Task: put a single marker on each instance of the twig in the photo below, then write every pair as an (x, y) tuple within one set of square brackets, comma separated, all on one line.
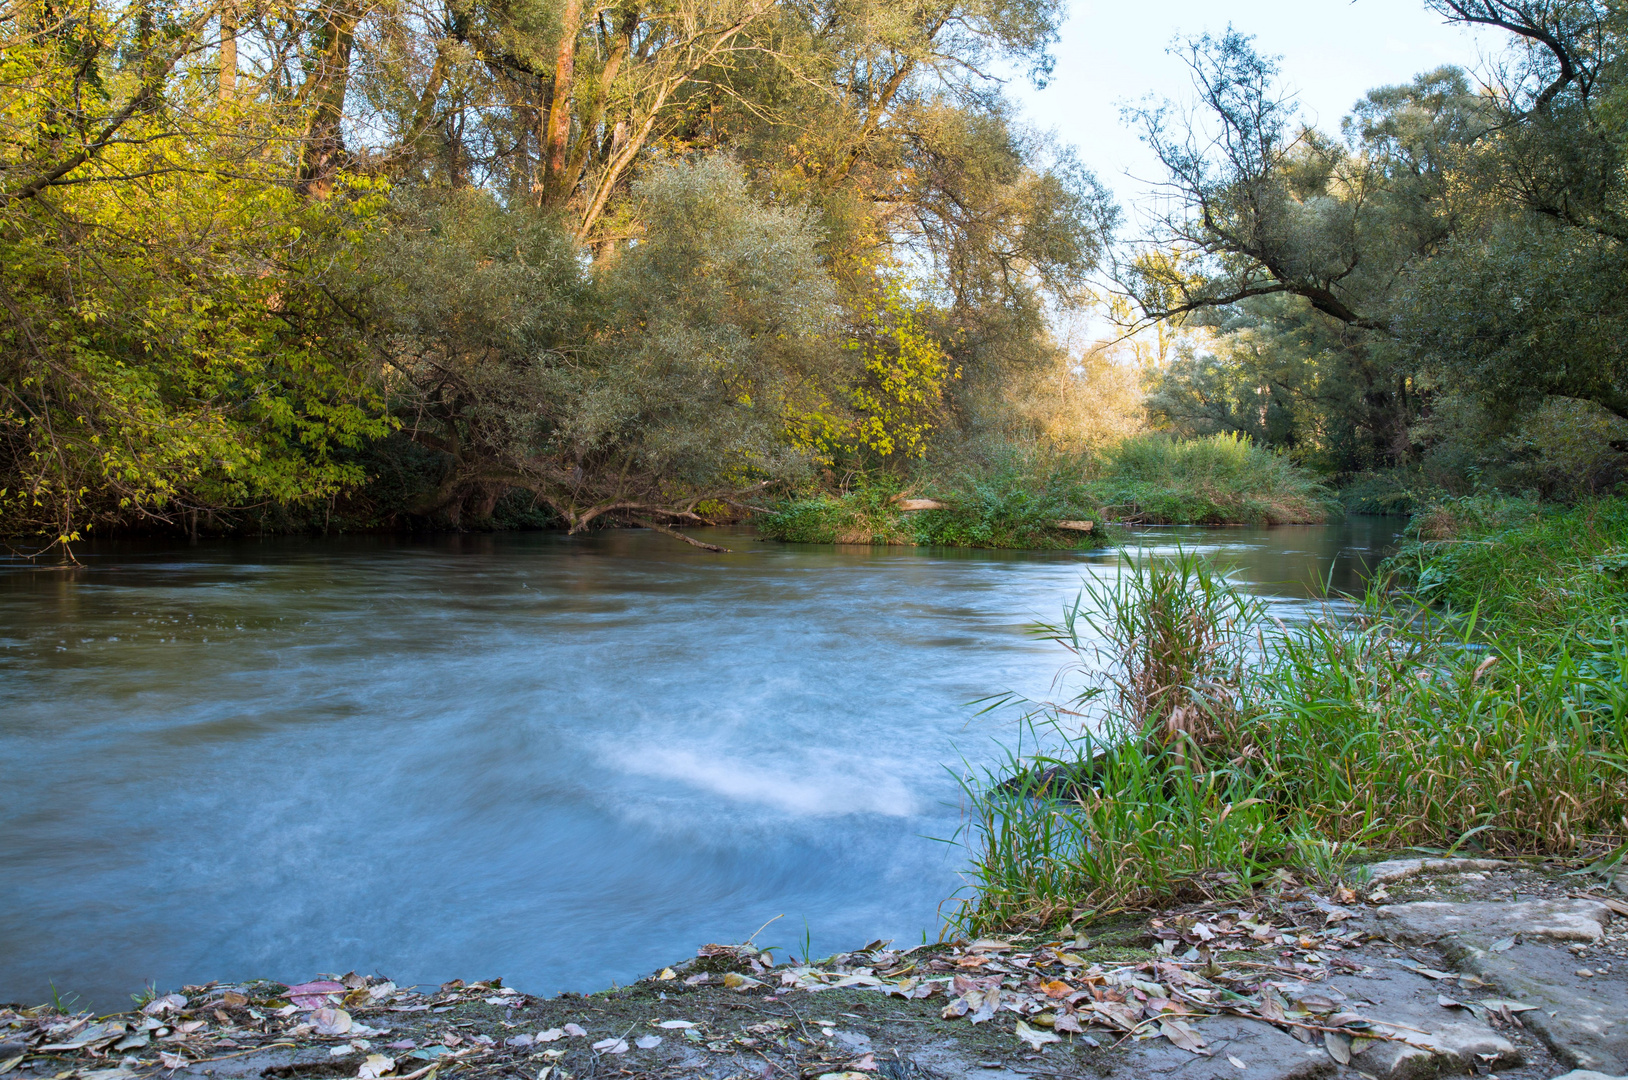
[(251, 1050)]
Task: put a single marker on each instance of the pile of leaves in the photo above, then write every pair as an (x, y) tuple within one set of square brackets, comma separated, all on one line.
[(351, 1015)]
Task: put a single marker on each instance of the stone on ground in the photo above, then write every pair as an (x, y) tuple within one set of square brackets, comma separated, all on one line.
[(1584, 1021), (1392, 870), (1555, 920)]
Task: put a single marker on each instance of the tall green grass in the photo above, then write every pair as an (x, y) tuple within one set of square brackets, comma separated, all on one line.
[(1223, 747), (1550, 571), (1219, 480)]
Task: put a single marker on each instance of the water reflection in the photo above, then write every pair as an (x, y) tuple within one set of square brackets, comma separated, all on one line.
[(563, 761)]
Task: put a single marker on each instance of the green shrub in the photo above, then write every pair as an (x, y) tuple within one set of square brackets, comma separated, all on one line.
[(864, 514)]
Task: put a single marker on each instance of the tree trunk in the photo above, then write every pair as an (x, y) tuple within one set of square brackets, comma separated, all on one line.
[(557, 137), (228, 52), (323, 149)]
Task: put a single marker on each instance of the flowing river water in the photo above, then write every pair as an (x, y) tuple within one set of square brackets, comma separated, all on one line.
[(563, 761)]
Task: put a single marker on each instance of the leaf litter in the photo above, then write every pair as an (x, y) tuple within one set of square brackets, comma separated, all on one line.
[(1262, 959)]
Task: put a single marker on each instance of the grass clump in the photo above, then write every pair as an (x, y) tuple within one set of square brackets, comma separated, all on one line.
[(865, 513), (1218, 480), (1223, 746)]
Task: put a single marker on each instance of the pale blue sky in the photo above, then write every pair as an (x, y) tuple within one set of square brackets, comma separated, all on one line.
[(1333, 52)]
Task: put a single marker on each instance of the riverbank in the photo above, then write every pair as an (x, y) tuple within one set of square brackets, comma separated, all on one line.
[(1224, 746), (1417, 968), (1028, 497)]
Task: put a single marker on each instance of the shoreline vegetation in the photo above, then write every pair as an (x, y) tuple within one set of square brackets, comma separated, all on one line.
[(1474, 701), (1015, 497)]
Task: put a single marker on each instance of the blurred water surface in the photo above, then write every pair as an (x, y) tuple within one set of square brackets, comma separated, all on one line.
[(564, 761)]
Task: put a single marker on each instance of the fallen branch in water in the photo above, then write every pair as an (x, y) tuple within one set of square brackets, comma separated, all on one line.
[(675, 534)]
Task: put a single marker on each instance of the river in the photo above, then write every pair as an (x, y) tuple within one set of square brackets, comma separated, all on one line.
[(563, 761)]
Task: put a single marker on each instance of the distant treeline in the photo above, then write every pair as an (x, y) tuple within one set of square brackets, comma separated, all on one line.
[(375, 263)]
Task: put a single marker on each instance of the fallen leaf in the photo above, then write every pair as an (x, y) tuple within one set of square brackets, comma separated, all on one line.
[(1236, 1064), (376, 1066), (551, 1035), (576, 1030), (1499, 1003), (430, 1053), (611, 1045), (675, 1025), (666, 974), (1448, 1003), (331, 1021), (234, 1000), (1057, 989), (1035, 1039), (89, 1036), (1503, 944), (542, 1074), (172, 1061), (843, 1076), (1338, 1045), (1183, 1036), (11, 1063), (864, 1064), (647, 1042), (167, 1004)]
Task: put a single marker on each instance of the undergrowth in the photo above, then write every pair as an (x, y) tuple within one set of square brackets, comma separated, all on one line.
[(1219, 480), (1222, 747), (1014, 496)]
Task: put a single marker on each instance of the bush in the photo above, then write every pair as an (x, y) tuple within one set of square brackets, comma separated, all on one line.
[(1012, 495)]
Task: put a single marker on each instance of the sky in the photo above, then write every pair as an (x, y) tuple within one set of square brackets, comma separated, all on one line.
[(1112, 52)]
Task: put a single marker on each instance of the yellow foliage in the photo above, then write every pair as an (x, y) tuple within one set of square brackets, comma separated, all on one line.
[(897, 399)]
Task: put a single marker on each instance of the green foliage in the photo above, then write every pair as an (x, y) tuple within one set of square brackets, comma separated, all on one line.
[(1323, 742), (999, 494), (1548, 573), (640, 386), (1222, 479), (1007, 497), (866, 513), (897, 398), (1460, 252), (1524, 311), (168, 340)]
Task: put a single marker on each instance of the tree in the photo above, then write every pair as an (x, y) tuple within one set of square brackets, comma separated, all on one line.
[(637, 391), (166, 345), (1457, 241)]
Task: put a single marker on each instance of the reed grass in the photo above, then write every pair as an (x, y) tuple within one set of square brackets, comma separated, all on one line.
[(1222, 479), (1300, 749)]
